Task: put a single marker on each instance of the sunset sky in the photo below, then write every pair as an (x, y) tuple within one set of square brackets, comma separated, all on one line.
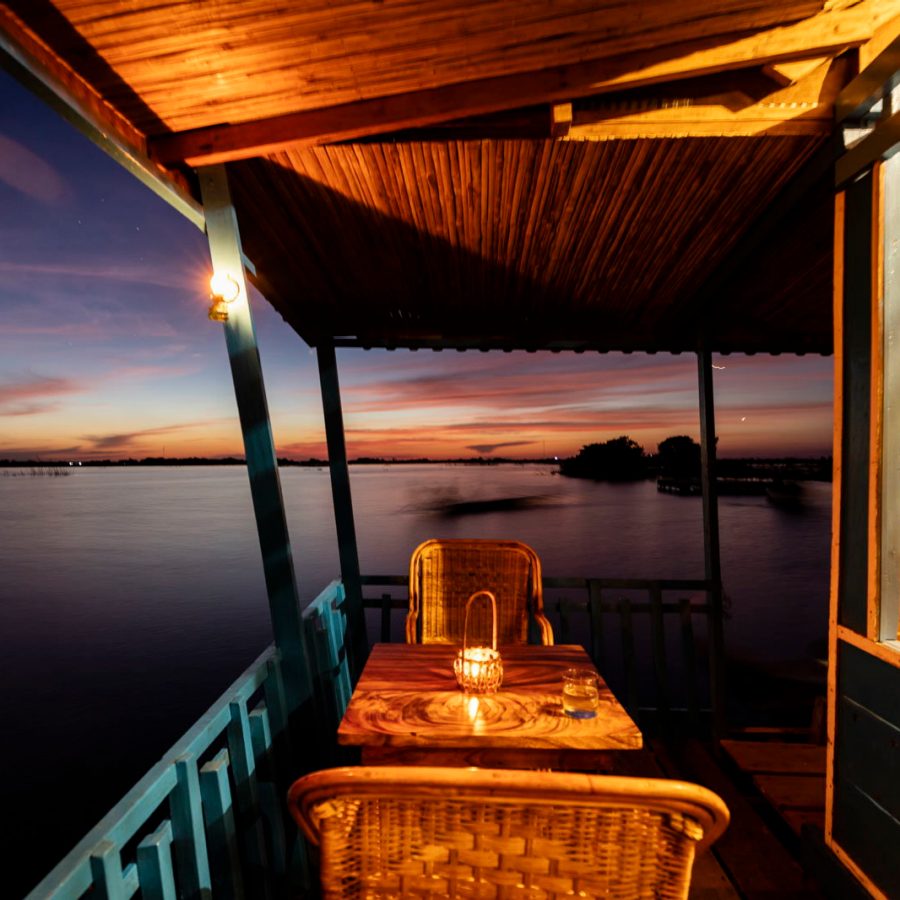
[(106, 350)]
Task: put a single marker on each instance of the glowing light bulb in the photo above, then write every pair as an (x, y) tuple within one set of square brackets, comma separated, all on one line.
[(224, 287)]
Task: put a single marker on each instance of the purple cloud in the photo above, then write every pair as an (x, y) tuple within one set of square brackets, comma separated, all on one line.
[(27, 173), (36, 395)]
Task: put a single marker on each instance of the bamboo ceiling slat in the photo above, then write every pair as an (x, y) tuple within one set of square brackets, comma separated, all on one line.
[(187, 64), (562, 238)]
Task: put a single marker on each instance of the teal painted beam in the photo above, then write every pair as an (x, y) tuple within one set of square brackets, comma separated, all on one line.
[(358, 645), (711, 553), (259, 445)]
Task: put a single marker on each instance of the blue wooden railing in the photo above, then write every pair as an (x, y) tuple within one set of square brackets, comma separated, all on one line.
[(650, 638), (209, 819)]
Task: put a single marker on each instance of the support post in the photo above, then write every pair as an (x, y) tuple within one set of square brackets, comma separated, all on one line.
[(711, 555), (343, 505), (259, 446), (885, 601)]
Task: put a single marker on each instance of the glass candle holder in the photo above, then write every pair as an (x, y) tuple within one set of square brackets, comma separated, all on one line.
[(479, 670)]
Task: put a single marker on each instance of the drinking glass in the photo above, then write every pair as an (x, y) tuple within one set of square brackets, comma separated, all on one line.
[(580, 693)]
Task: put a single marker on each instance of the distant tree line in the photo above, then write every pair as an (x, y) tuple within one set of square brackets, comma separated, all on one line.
[(623, 459), (282, 461)]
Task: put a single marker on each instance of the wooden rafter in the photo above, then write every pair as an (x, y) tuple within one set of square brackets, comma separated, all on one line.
[(804, 108), (790, 72), (741, 102), (560, 119), (828, 33), (879, 74), (882, 143)]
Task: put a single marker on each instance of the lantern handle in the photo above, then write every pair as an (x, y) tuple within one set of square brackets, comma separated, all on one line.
[(469, 602)]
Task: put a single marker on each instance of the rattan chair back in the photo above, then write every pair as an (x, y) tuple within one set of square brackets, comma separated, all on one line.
[(443, 574), (386, 831)]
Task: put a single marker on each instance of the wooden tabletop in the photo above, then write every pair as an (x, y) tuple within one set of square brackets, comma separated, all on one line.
[(407, 699)]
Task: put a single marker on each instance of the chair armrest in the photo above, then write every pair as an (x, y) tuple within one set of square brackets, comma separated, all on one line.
[(546, 629), (412, 617)]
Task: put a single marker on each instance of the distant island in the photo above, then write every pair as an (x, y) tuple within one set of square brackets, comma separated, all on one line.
[(677, 463)]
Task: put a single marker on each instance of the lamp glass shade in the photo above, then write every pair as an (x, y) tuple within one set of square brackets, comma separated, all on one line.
[(224, 286)]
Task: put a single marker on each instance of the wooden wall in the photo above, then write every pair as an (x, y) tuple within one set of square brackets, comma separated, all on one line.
[(867, 765), (855, 338), (863, 786)]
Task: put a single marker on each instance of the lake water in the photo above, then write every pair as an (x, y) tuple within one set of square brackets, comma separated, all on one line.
[(131, 597)]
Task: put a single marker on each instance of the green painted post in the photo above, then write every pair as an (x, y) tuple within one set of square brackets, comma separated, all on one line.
[(343, 505), (259, 445), (154, 862), (187, 831), (219, 816), (243, 768), (106, 869), (711, 555)]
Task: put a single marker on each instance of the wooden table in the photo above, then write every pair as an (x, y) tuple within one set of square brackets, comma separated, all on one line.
[(407, 708)]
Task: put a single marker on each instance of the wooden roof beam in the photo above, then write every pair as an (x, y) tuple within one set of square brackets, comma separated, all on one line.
[(804, 108), (788, 73), (560, 119), (879, 74), (32, 63), (880, 144), (735, 90), (825, 34)]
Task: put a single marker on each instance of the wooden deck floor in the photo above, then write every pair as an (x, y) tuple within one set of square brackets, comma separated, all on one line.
[(756, 859), (790, 776)]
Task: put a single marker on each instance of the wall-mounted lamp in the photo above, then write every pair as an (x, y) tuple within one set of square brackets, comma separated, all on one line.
[(223, 289)]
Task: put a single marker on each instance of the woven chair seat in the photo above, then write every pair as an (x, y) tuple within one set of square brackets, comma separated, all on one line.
[(444, 832), (443, 574)]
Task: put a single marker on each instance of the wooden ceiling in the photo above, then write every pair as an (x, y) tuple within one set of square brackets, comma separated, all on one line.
[(493, 173), (511, 243)]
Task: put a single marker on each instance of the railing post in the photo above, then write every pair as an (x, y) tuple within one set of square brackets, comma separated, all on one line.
[(187, 829), (711, 555), (259, 446), (358, 647)]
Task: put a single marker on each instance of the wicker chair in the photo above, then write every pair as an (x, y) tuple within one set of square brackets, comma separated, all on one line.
[(390, 831), (444, 574)]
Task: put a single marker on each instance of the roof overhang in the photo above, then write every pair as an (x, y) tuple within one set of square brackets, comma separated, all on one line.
[(649, 177)]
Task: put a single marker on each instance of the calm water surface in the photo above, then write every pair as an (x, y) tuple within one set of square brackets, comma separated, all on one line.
[(131, 597)]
